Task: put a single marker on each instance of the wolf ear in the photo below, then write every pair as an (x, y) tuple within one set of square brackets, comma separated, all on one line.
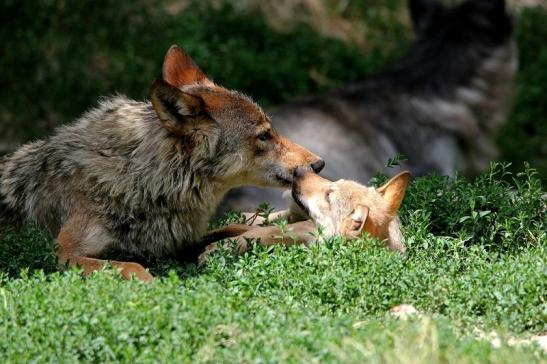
[(490, 5), (179, 69), (358, 219), (173, 106), (422, 11), (394, 191)]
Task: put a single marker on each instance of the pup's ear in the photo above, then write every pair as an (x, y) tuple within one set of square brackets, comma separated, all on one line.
[(174, 106), (358, 219), (394, 191), (179, 69)]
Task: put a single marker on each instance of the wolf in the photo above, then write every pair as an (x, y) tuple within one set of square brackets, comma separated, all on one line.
[(441, 105), (145, 177), (344, 208)]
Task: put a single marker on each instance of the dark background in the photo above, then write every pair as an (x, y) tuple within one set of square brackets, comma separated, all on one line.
[(59, 57)]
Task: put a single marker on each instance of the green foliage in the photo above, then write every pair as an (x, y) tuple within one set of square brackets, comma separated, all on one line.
[(396, 161), (464, 270), (30, 249), (476, 249), (59, 57), (62, 318), (489, 211)]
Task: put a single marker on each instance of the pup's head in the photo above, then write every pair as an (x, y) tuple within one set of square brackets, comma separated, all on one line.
[(222, 128), (348, 208)]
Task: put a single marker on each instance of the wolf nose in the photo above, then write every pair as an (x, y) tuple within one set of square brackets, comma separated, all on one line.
[(318, 165)]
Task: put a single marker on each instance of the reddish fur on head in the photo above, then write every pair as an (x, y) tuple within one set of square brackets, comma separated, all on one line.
[(179, 69), (348, 208), (215, 123)]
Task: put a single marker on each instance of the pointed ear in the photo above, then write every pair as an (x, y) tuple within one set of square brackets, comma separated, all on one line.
[(173, 106), (490, 5), (394, 191), (179, 69), (358, 219), (422, 11)]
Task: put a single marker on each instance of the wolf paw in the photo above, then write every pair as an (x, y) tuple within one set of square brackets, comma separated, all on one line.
[(128, 270), (209, 249)]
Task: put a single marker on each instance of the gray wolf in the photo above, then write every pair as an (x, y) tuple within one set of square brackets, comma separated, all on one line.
[(145, 177), (441, 105), (344, 208)]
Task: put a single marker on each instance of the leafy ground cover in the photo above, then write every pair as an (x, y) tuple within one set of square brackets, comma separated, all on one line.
[(476, 262), (476, 257)]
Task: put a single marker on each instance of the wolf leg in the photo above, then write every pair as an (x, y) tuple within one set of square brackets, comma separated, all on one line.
[(79, 240), (297, 233), (226, 232), (208, 244), (127, 269), (253, 221)]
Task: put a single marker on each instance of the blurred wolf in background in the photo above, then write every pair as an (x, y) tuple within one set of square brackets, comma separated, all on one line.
[(441, 105)]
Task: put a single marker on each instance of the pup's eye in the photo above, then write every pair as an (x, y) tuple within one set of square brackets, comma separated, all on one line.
[(264, 136), (327, 196)]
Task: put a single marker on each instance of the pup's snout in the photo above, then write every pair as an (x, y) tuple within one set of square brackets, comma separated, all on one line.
[(318, 165), (315, 167)]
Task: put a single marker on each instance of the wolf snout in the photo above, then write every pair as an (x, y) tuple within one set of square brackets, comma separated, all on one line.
[(315, 167), (318, 165)]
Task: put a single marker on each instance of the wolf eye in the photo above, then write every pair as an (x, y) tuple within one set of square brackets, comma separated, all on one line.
[(264, 136), (327, 196)]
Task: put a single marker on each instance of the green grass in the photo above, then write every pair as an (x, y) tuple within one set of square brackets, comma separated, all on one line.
[(476, 249), (466, 270)]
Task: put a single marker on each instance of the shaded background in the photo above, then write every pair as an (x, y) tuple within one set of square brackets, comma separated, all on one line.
[(59, 57)]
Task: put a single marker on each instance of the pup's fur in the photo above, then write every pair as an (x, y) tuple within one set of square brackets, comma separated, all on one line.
[(145, 178), (441, 105), (344, 208)]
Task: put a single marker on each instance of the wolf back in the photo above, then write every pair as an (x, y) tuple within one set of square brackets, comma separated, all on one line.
[(441, 105)]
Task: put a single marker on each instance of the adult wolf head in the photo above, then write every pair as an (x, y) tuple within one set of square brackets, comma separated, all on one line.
[(453, 42), (224, 129)]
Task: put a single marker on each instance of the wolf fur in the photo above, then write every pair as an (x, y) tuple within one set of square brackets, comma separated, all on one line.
[(145, 177), (117, 162), (440, 105), (343, 208)]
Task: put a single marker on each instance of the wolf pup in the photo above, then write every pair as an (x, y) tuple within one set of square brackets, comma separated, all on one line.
[(145, 177), (344, 208), (441, 104)]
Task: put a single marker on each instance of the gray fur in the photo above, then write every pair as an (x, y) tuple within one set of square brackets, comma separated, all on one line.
[(123, 168), (441, 105)]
